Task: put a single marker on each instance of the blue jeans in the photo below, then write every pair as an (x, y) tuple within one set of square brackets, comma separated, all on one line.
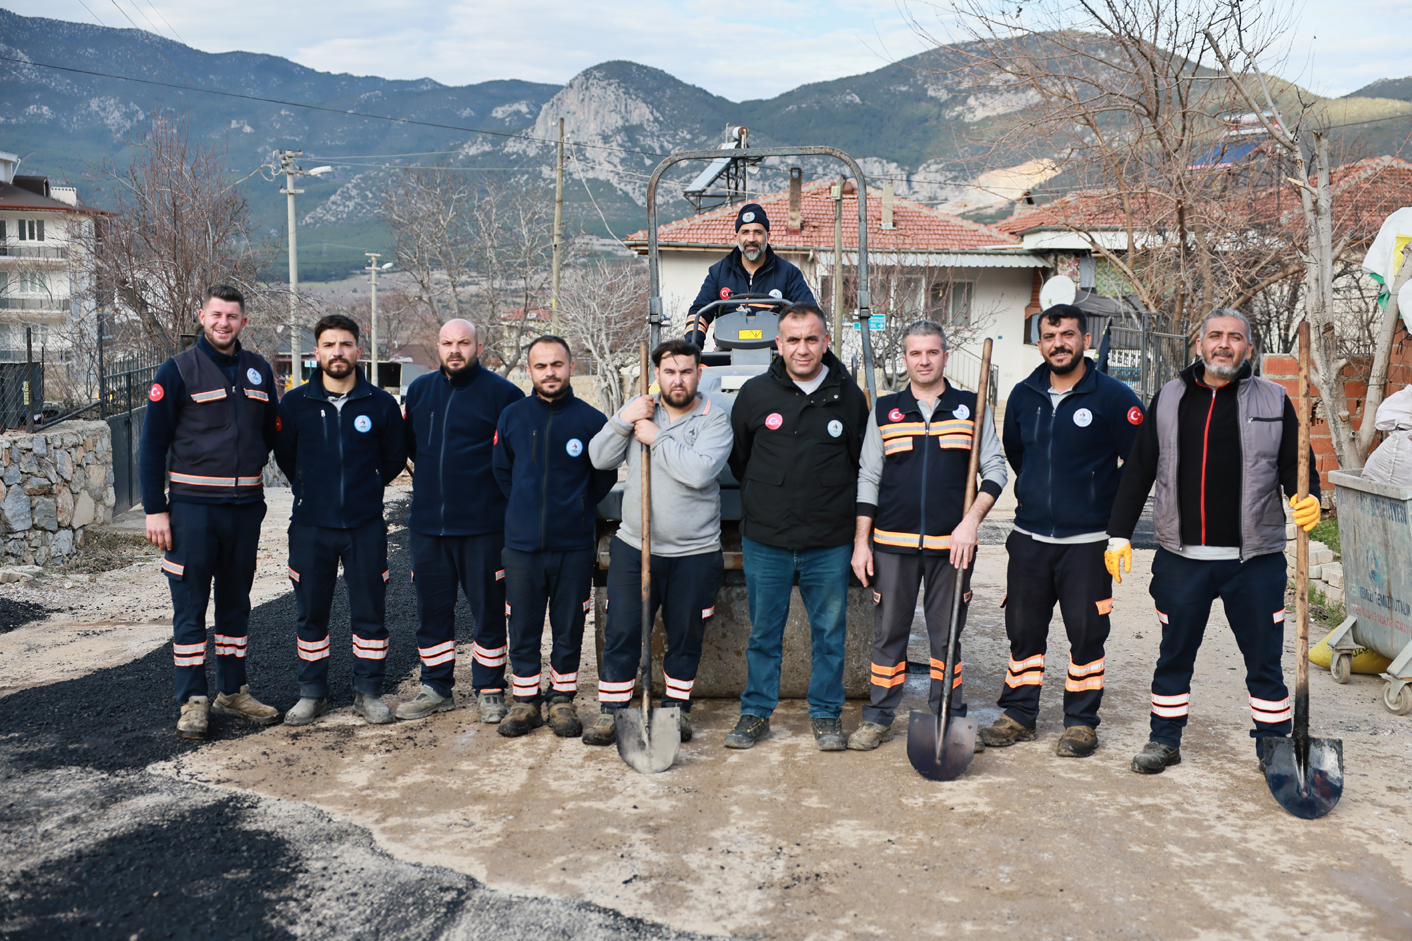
[(770, 573)]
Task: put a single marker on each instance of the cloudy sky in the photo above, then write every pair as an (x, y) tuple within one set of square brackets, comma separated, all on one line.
[(741, 50)]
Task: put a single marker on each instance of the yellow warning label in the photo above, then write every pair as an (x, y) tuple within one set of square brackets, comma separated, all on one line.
[(752, 334)]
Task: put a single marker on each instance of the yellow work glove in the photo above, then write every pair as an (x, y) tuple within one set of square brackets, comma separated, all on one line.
[(1118, 558), (1306, 512)]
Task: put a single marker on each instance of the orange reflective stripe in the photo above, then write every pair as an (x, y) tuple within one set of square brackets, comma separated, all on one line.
[(936, 542), (1105, 606), (902, 429), (956, 426), (211, 396), (896, 539), (1085, 676), (257, 394), (880, 670), (893, 447), (1087, 669), (194, 480)]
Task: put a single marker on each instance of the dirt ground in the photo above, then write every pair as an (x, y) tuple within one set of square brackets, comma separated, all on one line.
[(783, 841)]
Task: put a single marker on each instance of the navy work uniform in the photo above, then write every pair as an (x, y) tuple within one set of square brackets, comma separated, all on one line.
[(339, 452), (214, 416), (1219, 457), (542, 465), (1064, 448), (912, 482), (458, 521)]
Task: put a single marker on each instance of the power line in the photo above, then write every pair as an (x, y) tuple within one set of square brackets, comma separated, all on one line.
[(339, 111)]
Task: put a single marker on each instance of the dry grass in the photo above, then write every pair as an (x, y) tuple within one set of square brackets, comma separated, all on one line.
[(104, 550)]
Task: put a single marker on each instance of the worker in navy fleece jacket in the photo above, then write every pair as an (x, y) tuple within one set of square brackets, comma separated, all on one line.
[(542, 464), (339, 443), (457, 522)]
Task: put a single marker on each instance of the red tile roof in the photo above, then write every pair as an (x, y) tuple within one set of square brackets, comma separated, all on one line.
[(916, 228), (1088, 210)]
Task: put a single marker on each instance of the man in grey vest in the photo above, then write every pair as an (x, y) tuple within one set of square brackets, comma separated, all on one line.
[(213, 410), (1222, 445)]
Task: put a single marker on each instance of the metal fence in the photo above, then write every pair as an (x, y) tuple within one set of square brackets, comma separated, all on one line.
[(122, 403), (1144, 357)]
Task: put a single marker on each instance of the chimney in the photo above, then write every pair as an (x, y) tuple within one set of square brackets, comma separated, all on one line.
[(887, 205), (796, 183)]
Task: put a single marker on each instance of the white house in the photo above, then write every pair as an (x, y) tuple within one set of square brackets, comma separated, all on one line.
[(975, 279), (42, 225)]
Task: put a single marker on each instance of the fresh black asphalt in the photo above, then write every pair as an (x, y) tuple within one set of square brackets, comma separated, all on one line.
[(98, 847)]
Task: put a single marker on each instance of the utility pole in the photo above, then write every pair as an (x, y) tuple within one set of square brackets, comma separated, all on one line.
[(373, 356), (558, 229), (290, 171)]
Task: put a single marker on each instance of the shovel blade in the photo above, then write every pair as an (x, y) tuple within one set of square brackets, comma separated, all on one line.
[(958, 745), (648, 747), (1310, 789)]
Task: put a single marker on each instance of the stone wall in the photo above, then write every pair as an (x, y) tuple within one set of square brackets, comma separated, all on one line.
[(53, 483)]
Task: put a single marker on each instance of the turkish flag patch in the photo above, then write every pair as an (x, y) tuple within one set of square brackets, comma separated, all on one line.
[(725, 293), (156, 392), (895, 415), (279, 425), (495, 438), (1134, 416)]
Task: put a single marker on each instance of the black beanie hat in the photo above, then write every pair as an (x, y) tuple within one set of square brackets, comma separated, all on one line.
[(752, 212)]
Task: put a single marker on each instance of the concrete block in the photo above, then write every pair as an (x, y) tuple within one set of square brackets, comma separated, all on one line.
[(1333, 574), (1321, 557), (1334, 595), (1315, 571)]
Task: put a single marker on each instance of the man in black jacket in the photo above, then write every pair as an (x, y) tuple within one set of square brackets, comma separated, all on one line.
[(340, 443), (457, 523), (543, 466), (1220, 444), (752, 267), (1067, 427), (212, 411), (798, 431)]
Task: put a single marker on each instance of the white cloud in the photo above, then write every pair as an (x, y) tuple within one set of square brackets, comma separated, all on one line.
[(738, 50)]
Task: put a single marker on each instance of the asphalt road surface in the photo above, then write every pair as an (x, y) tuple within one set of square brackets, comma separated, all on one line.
[(98, 846)]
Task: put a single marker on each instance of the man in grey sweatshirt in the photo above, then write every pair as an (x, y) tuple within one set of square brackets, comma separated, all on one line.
[(689, 436)]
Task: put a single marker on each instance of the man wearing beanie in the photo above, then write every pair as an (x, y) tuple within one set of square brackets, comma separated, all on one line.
[(752, 267)]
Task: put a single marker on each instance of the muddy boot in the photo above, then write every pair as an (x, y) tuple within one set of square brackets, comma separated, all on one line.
[(564, 719), (193, 721), (426, 702), (869, 735), (522, 719), (1005, 731), (1156, 757), (242, 705), (372, 708), (492, 707), (603, 731), (748, 731), (306, 710), (683, 723), (1078, 741), (828, 734)]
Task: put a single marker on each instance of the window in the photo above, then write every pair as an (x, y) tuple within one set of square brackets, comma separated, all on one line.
[(31, 230), (32, 282), (951, 302)]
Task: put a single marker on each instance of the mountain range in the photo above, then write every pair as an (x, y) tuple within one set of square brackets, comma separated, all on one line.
[(909, 121)]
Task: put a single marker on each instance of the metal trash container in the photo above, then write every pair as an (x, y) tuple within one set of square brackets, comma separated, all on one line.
[(1375, 534)]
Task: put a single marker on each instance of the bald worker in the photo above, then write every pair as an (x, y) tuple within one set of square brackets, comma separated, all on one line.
[(458, 522)]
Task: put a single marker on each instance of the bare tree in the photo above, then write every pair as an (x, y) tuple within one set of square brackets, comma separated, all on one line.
[(476, 246), (604, 313), (177, 225)]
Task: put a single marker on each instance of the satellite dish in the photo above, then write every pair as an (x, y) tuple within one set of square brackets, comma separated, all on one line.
[(1059, 289)]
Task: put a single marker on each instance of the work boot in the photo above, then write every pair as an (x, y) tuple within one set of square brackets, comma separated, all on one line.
[(828, 734), (564, 719), (683, 722), (426, 702), (603, 731), (306, 710), (748, 731), (522, 719), (1004, 732), (1155, 757), (1263, 747), (242, 705), (492, 707), (1078, 741), (869, 735), (372, 708), (193, 721)]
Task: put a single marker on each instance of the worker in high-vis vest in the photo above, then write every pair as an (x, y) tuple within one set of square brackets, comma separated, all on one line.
[(211, 410), (912, 527)]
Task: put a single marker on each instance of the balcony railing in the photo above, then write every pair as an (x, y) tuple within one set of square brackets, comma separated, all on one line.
[(964, 369), (32, 252), (56, 304)]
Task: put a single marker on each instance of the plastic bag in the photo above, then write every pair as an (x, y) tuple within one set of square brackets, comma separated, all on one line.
[(1391, 463), (1395, 414)]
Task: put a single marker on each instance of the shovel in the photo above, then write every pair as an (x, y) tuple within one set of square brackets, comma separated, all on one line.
[(1305, 774), (648, 739), (940, 747)]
